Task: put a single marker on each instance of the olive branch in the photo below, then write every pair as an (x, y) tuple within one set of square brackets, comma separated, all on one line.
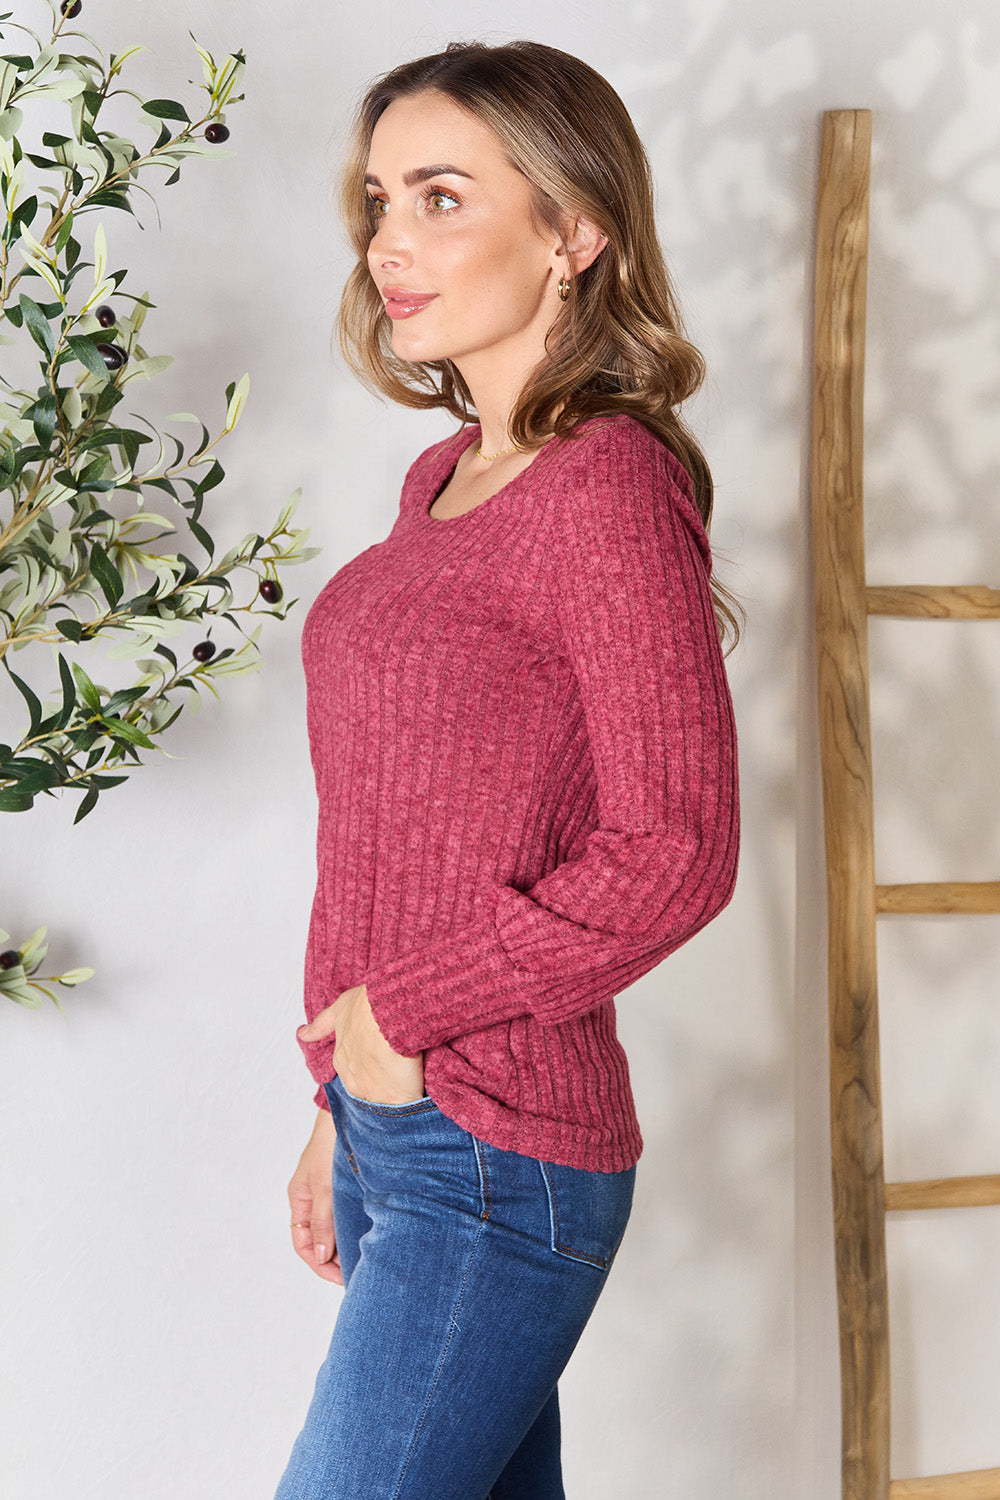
[(82, 558)]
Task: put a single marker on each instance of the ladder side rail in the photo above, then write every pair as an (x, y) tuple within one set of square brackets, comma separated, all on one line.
[(845, 746)]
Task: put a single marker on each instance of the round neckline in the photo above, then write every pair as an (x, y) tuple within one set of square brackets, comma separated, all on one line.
[(448, 462)]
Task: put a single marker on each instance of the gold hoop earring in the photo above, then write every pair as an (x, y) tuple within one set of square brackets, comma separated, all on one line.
[(563, 289)]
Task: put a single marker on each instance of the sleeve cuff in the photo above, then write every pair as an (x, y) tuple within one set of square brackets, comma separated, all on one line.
[(469, 980), (447, 988)]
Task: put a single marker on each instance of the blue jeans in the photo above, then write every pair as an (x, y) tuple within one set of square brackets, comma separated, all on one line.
[(469, 1274)]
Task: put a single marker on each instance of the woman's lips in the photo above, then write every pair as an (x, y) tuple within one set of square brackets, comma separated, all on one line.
[(403, 304)]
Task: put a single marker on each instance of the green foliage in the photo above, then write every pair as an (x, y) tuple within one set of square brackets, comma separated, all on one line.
[(82, 557), (17, 978)]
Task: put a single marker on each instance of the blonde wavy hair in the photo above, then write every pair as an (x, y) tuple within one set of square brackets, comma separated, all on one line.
[(618, 344)]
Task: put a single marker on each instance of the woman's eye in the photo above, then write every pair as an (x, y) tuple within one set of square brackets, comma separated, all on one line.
[(435, 202), (441, 203)]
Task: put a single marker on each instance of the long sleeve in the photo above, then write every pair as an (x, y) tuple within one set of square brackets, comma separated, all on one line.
[(627, 570)]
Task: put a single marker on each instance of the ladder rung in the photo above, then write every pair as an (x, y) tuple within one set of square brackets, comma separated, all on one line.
[(943, 1192), (977, 1484), (980, 897), (927, 601)]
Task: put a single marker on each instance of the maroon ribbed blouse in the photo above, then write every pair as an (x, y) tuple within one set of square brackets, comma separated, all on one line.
[(525, 759)]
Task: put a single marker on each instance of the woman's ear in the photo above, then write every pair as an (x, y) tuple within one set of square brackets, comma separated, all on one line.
[(583, 243)]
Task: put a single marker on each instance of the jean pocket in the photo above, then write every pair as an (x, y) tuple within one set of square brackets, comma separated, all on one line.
[(588, 1211), (373, 1106)]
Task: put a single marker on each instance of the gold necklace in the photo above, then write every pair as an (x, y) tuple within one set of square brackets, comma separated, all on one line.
[(489, 457)]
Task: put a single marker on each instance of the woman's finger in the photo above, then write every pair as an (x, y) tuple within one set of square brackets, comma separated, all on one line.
[(316, 1244), (310, 1202), (324, 1239), (321, 1025)]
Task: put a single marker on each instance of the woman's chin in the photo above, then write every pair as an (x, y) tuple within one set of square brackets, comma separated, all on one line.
[(412, 342)]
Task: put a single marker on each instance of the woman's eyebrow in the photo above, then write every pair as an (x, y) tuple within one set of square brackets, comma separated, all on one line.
[(421, 174)]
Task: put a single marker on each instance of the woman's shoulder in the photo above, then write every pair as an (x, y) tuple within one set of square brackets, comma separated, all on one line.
[(615, 456)]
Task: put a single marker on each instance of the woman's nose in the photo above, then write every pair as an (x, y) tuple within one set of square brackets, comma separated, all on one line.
[(388, 248)]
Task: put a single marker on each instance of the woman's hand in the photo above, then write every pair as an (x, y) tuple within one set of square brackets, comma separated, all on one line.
[(362, 1056), (310, 1199)]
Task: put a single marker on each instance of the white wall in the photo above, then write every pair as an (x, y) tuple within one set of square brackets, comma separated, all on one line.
[(160, 1337)]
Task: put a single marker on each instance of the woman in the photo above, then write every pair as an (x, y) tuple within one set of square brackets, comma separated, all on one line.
[(525, 759)]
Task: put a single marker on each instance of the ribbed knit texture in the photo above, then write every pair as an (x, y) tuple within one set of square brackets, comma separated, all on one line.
[(525, 759)]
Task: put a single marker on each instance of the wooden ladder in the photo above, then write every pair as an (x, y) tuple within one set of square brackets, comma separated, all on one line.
[(861, 1197)]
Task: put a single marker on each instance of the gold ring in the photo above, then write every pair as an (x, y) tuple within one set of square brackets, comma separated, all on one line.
[(307, 1225)]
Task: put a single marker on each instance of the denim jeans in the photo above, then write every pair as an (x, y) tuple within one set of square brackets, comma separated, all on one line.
[(469, 1275)]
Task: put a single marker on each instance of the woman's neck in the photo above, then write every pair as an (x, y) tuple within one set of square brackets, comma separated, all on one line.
[(496, 387)]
